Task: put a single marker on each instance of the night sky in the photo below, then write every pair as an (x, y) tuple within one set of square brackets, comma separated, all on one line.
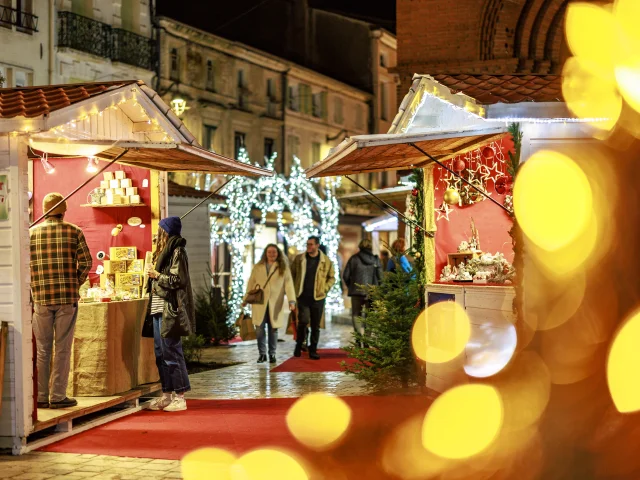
[(220, 16)]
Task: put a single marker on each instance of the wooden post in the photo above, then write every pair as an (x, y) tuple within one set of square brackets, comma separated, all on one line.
[(4, 330)]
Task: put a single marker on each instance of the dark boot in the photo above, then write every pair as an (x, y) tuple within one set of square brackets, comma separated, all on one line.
[(272, 359), (43, 404), (298, 350), (262, 358), (67, 402), (314, 355)]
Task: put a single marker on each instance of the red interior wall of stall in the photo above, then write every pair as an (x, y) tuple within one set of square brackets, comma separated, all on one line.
[(96, 223), (492, 222)]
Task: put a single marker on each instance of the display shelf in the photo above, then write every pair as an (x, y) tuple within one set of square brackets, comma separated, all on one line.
[(114, 206)]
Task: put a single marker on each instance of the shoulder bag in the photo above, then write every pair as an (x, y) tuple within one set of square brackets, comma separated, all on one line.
[(255, 296)]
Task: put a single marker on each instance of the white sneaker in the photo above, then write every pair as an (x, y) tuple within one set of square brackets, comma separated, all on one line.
[(177, 405), (161, 403)]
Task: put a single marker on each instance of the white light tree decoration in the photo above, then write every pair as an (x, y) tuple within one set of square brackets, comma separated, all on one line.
[(277, 194)]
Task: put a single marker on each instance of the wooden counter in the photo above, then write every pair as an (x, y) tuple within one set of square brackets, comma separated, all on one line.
[(109, 355), (493, 335)]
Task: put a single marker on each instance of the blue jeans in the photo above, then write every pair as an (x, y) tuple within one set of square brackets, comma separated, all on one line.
[(170, 360), (261, 335)]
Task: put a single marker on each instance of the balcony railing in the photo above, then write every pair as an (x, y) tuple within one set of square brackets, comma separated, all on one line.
[(24, 21), (132, 49), (97, 38)]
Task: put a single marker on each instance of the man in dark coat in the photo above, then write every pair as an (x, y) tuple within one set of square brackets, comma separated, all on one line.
[(363, 268)]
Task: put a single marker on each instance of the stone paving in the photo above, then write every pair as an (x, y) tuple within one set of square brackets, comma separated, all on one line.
[(243, 381)]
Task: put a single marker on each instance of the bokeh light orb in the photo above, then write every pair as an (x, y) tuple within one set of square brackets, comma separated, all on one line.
[(206, 463), (441, 332), (319, 420), (267, 464), (463, 421), (623, 366), (552, 200)]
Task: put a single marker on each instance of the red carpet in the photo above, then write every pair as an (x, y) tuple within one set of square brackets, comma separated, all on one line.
[(330, 359), (237, 426)]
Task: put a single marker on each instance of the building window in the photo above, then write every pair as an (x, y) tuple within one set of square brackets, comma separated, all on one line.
[(305, 99), (383, 60), (211, 79), (384, 111), (294, 146), (208, 136), (338, 115), (242, 90), (315, 152), (294, 100), (319, 105), (271, 89), (21, 79), (269, 147), (82, 7), (175, 65), (238, 143)]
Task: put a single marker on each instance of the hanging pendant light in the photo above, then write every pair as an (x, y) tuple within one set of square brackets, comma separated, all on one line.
[(92, 165), (48, 168)]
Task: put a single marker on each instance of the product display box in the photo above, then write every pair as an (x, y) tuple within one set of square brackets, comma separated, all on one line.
[(128, 280), (123, 253), (115, 266), (135, 266), (107, 280)]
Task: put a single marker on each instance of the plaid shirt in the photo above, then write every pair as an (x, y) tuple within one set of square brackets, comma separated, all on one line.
[(60, 262)]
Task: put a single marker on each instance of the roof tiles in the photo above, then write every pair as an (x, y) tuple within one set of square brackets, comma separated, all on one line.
[(35, 101), (490, 89)]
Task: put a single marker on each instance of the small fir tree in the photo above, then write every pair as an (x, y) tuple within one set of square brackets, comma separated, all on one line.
[(388, 362)]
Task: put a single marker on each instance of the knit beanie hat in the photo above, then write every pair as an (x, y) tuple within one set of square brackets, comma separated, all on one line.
[(50, 200), (171, 225)]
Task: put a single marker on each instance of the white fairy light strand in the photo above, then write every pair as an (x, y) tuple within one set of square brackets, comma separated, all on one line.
[(276, 194)]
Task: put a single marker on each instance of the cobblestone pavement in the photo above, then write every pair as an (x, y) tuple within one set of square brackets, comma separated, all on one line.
[(246, 380)]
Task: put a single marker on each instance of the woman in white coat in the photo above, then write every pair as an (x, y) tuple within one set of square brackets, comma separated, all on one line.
[(272, 274)]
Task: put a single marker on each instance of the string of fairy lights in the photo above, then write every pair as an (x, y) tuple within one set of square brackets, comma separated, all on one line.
[(277, 194)]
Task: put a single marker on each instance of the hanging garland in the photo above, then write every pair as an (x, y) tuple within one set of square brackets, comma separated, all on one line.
[(516, 234), (276, 194), (416, 211)]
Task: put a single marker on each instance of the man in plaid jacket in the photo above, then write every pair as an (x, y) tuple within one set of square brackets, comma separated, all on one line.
[(60, 263)]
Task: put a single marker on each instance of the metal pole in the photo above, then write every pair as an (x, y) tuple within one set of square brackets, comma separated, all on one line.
[(461, 178), (207, 198), (44, 214), (390, 208)]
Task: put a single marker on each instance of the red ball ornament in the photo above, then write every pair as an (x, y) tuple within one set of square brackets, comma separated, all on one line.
[(414, 192), (417, 230), (488, 153), (459, 165), (503, 184)]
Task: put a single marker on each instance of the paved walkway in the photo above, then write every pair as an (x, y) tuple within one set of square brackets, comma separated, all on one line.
[(243, 381)]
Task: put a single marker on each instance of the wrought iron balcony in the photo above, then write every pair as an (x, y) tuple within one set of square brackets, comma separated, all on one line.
[(84, 34), (24, 21), (132, 49), (97, 38)]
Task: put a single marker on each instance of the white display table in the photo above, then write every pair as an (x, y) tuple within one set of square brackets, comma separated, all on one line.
[(493, 335)]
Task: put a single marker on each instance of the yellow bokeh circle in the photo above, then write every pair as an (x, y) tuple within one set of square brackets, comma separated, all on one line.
[(206, 463), (441, 332), (463, 421), (267, 464), (623, 366), (319, 420), (552, 199)]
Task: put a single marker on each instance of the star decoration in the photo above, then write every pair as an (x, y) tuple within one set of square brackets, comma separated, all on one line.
[(497, 173), (443, 212)]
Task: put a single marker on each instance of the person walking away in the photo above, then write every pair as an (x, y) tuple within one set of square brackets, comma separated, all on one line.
[(273, 276), (384, 259), (60, 263), (363, 269), (313, 276), (172, 311), (399, 258)]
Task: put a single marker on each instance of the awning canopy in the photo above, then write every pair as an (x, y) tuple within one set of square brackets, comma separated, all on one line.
[(389, 194), (376, 153), (180, 158)]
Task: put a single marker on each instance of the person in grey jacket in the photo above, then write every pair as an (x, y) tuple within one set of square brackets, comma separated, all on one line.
[(363, 268)]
